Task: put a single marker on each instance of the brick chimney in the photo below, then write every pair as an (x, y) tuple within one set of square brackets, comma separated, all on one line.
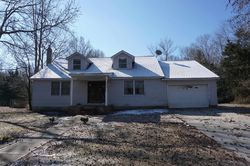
[(49, 55)]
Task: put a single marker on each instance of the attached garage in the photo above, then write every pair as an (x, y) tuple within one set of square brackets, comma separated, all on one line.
[(189, 84), (188, 96)]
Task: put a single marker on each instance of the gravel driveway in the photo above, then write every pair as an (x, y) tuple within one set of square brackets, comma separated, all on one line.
[(229, 127)]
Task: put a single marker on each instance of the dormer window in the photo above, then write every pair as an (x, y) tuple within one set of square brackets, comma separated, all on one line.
[(122, 63), (76, 64), (122, 60)]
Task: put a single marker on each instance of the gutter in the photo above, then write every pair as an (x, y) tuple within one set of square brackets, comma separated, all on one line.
[(91, 74), (201, 78)]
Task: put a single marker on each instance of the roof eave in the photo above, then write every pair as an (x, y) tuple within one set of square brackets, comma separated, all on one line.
[(197, 78), (91, 74), (50, 78)]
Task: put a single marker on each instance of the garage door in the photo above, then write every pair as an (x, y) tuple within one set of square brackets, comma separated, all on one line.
[(187, 96)]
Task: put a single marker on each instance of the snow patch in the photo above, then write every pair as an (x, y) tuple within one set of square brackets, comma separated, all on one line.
[(141, 112)]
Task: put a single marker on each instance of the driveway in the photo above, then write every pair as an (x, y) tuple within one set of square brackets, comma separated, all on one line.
[(228, 126)]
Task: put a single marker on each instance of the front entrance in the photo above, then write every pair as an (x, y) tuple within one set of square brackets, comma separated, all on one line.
[(96, 92)]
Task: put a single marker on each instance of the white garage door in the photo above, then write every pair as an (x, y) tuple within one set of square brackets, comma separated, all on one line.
[(187, 96)]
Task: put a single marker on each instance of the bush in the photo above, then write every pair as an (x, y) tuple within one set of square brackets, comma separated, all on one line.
[(4, 139), (84, 119), (52, 119)]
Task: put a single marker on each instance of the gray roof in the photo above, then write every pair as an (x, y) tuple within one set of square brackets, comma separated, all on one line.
[(185, 70), (144, 66)]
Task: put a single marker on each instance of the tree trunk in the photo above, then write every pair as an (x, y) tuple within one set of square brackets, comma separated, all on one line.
[(29, 93)]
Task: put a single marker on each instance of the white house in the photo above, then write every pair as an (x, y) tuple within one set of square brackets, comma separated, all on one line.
[(123, 80)]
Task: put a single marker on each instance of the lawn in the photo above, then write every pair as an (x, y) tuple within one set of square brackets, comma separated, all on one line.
[(132, 140), (17, 122)]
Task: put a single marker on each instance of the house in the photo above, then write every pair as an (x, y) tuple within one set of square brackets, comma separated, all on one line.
[(123, 80)]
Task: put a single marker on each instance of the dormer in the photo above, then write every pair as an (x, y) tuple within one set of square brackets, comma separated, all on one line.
[(123, 60), (77, 62)]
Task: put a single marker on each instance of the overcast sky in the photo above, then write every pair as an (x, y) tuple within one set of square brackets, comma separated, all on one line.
[(132, 25)]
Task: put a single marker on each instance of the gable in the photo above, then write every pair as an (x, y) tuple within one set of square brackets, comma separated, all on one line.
[(123, 57), (84, 61)]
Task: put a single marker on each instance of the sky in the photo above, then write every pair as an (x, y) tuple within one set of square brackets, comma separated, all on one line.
[(133, 25)]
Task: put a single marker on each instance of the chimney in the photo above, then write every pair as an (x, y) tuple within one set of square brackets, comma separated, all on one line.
[(49, 55)]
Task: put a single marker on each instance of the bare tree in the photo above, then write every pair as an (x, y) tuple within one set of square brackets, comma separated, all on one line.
[(84, 47), (13, 14), (166, 47), (240, 6), (49, 20), (206, 49), (242, 13), (44, 19)]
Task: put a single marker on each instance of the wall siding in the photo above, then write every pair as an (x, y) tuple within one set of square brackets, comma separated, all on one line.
[(79, 92), (41, 95), (155, 94)]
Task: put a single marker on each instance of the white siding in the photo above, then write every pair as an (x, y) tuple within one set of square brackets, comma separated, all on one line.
[(79, 92), (41, 95), (155, 94)]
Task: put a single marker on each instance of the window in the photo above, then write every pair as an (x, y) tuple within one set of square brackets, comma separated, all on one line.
[(122, 63), (128, 87), (134, 87), (55, 88), (76, 64), (139, 87), (65, 88)]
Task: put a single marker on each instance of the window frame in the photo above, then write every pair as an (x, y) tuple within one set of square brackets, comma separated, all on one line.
[(76, 64), (62, 90), (120, 64), (124, 88), (135, 88), (51, 88)]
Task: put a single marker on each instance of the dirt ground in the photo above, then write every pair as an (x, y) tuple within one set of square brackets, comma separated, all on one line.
[(228, 126), (17, 122), (132, 140)]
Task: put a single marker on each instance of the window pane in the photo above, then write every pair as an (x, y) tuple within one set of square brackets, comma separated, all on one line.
[(77, 64), (128, 87), (55, 88), (139, 87), (65, 90), (123, 63)]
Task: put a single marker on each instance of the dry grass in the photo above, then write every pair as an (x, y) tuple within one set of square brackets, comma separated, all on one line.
[(16, 122), (133, 143)]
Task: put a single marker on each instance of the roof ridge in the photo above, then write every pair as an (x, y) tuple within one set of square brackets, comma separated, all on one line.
[(179, 61)]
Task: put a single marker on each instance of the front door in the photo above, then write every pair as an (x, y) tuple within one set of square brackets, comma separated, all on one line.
[(96, 92)]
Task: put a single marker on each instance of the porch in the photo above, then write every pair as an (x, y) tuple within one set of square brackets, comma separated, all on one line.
[(90, 90)]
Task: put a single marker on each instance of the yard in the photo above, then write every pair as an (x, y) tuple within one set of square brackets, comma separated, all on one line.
[(15, 123), (149, 139)]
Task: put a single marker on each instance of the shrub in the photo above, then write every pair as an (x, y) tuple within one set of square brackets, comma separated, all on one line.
[(52, 119), (84, 119)]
